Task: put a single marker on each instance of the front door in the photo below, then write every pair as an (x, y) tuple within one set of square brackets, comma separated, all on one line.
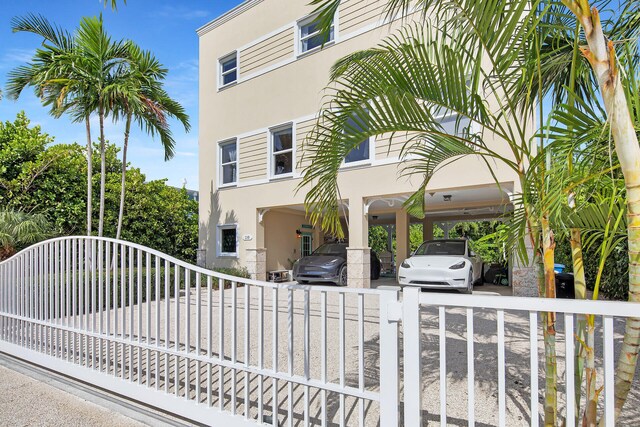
[(306, 244)]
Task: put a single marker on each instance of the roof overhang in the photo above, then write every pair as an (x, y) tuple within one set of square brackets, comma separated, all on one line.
[(227, 16)]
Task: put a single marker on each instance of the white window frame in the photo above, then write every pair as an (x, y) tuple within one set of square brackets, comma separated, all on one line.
[(271, 164), (221, 74), (364, 162), (220, 228), (299, 39), (222, 184)]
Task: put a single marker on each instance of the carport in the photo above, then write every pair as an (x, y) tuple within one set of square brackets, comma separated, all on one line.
[(443, 209), (289, 235)]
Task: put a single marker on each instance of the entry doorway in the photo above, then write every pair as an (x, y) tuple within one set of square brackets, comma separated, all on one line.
[(306, 244)]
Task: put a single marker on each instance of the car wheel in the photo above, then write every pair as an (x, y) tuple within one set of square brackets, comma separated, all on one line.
[(470, 283), (375, 272), (342, 276)]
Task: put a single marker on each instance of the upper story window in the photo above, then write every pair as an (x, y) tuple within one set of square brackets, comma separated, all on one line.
[(228, 70), (228, 161), (282, 151), (309, 35), (361, 152)]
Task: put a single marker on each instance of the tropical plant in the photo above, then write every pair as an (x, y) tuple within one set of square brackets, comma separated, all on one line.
[(48, 74), (20, 229), (615, 70), (37, 176), (602, 57), (455, 59), (71, 75), (459, 58), (114, 3), (137, 94)]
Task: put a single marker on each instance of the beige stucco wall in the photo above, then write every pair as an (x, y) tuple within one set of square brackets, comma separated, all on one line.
[(282, 95), (281, 239)]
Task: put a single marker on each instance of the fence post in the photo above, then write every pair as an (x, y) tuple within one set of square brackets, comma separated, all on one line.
[(390, 315), (412, 360)]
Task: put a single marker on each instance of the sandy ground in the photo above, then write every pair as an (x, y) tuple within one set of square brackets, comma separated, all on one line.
[(303, 359), (25, 401)]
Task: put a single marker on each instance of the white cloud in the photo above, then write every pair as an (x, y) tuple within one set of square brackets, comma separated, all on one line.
[(14, 56)]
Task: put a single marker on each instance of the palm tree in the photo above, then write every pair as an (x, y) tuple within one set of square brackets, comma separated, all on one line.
[(100, 58), (137, 94), (601, 54), (71, 74), (114, 3), (417, 74), (52, 76), (447, 64), (19, 229)]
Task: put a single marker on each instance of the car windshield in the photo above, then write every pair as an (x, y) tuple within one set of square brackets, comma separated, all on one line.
[(331, 249), (442, 247)]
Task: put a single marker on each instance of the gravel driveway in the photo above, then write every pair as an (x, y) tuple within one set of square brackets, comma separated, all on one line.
[(291, 396), (25, 401)]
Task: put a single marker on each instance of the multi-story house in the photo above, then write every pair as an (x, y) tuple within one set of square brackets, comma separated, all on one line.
[(263, 71)]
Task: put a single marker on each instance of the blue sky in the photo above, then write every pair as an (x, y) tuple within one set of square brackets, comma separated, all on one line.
[(166, 27)]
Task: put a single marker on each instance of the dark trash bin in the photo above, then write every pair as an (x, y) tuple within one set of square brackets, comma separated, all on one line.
[(565, 286), (497, 274)]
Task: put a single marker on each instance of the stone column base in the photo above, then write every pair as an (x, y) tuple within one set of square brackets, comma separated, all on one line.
[(257, 263), (524, 278), (524, 281), (201, 258), (359, 267)]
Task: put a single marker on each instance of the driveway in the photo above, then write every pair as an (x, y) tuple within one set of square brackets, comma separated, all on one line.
[(341, 340)]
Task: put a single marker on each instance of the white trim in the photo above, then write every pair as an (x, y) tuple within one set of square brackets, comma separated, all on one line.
[(219, 165), (270, 153), (336, 26), (307, 20), (221, 74), (227, 16), (219, 229), (296, 174), (337, 38), (267, 36), (263, 130), (364, 162)]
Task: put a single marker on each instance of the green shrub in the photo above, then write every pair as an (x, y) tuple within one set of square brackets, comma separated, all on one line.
[(614, 284)]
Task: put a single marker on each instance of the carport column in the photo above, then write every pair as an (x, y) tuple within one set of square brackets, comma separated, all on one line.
[(256, 260), (427, 229), (402, 236), (358, 252), (257, 263)]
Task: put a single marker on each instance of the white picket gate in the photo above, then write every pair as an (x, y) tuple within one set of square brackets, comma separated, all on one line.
[(216, 349)]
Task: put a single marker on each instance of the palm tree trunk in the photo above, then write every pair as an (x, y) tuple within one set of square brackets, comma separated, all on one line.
[(581, 291), (103, 173), (89, 175), (551, 367), (591, 406), (124, 174), (601, 56)]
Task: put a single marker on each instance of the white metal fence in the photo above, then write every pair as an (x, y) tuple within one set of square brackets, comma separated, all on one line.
[(504, 336), (215, 348)]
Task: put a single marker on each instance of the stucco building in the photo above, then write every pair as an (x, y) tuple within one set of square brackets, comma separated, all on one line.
[(263, 73)]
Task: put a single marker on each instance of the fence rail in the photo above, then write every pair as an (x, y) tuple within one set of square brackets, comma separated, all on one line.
[(205, 345), (216, 349), (525, 315)]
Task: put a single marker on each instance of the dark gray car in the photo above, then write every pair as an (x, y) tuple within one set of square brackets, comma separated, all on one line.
[(328, 263)]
